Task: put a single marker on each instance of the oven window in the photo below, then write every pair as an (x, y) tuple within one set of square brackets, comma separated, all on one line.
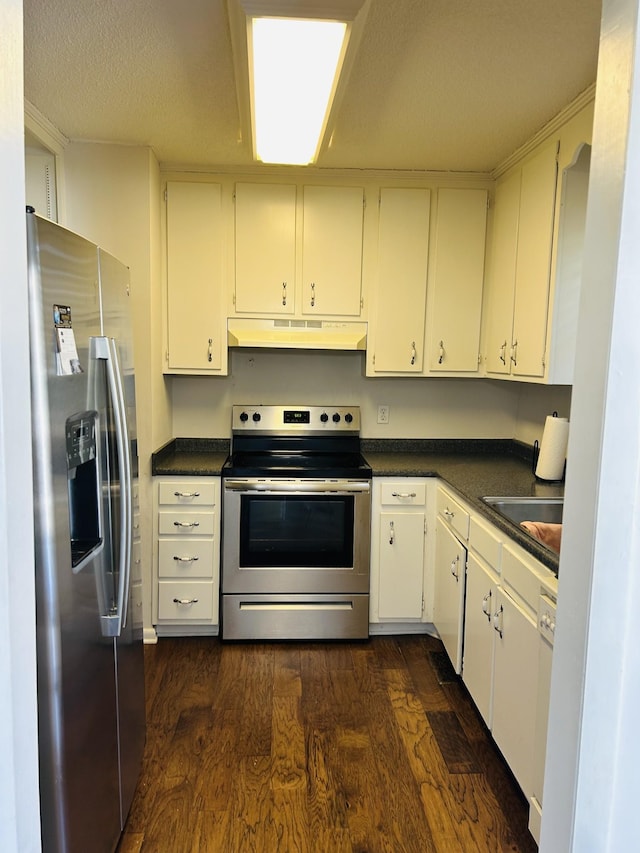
[(306, 531)]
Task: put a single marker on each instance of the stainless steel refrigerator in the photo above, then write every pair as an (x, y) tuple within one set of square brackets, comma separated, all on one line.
[(89, 638)]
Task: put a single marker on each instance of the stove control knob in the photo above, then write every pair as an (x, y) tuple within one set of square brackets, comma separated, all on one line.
[(336, 418), (256, 416), (244, 417), (348, 417), (324, 417)]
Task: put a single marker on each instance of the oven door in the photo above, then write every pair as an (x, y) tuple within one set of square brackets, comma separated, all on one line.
[(295, 536)]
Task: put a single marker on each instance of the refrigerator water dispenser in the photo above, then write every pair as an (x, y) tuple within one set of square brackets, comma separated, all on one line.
[(84, 486)]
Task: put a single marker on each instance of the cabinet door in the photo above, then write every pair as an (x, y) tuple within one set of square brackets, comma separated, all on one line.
[(195, 323), (403, 248), (332, 250), (265, 248), (448, 602), (401, 549), (533, 262), (515, 687), (501, 279), (458, 276), (477, 668)]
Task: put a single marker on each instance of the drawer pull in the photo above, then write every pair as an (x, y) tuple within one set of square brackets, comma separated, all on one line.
[(185, 600), (403, 494), (185, 559), (187, 494), (448, 513), (186, 524)]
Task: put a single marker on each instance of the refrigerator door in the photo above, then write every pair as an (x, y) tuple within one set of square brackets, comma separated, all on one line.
[(76, 667), (117, 328)]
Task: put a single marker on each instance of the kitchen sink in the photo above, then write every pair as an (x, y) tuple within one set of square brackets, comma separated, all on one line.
[(518, 509)]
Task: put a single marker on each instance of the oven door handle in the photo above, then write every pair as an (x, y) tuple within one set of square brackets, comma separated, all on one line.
[(304, 486)]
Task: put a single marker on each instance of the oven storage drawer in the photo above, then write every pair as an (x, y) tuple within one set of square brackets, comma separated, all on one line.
[(295, 617), (185, 601)]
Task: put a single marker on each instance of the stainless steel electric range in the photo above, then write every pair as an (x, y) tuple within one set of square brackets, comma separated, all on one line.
[(296, 525)]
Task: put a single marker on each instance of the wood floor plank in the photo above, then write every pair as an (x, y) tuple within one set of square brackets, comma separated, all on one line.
[(327, 809), (287, 680), (256, 712), (288, 752)]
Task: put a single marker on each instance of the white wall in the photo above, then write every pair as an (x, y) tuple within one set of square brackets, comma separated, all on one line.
[(19, 806), (113, 198), (419, 407)]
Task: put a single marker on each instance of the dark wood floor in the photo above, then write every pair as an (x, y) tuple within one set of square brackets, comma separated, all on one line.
[(318, 747)]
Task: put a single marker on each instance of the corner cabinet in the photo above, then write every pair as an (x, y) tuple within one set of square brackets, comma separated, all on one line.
[(196, 338), (298, 250), (186, 585), (397, 331), (398, 532)]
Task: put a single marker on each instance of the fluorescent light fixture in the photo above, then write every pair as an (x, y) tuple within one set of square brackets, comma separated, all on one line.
[(295, 66), (291, 61)]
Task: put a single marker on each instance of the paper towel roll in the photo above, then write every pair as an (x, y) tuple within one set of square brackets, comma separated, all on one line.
[(553, 449)]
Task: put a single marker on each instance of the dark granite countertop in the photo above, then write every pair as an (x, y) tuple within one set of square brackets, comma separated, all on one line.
[(472, 468)]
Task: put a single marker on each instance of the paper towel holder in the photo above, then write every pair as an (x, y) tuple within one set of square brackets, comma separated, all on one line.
[(534, 460)]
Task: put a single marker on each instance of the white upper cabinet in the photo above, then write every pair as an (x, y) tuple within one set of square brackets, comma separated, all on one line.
[(332, 250), (396, 331), (265, 248), (273, 276), (535, 259), (455, 304), (196, 325)]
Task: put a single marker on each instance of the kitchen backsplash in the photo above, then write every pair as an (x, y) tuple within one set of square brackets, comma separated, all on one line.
[(418, 407)]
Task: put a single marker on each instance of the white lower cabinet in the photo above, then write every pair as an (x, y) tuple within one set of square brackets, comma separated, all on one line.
[(506, 663), (448, 597), (398, 550), (187, 564), (515, 686), (477, 668)]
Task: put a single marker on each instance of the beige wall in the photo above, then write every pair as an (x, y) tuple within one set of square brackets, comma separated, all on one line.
[(113, 198), (419, 407)]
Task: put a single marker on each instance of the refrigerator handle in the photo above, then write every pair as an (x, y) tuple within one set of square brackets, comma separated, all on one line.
[(106, 349)]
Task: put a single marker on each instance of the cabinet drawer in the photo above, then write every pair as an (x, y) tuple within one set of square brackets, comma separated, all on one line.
[(192, 493), (183, 523), (453, 513), (485, 543), (185, 558), (185, 601), (403, 494)]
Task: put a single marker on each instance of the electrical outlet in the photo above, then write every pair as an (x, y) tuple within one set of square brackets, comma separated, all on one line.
[(383, 414)]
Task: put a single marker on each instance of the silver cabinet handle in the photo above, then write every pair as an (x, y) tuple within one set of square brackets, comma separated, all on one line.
[(503, 353), (403, 494), (210, 351), (441, 357), (187, 494), (514, 352), (284, 292), (313, 294), (447, 512), (392, 533), (185, 600), (497, 620), (454, 567), (486, 605), (413, 352), (185, 559), (186, 524)]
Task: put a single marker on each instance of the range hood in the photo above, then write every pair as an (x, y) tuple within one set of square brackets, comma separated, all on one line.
[(297, 334)]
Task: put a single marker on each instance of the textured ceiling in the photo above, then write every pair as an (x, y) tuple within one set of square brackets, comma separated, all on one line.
[(436, 84)]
